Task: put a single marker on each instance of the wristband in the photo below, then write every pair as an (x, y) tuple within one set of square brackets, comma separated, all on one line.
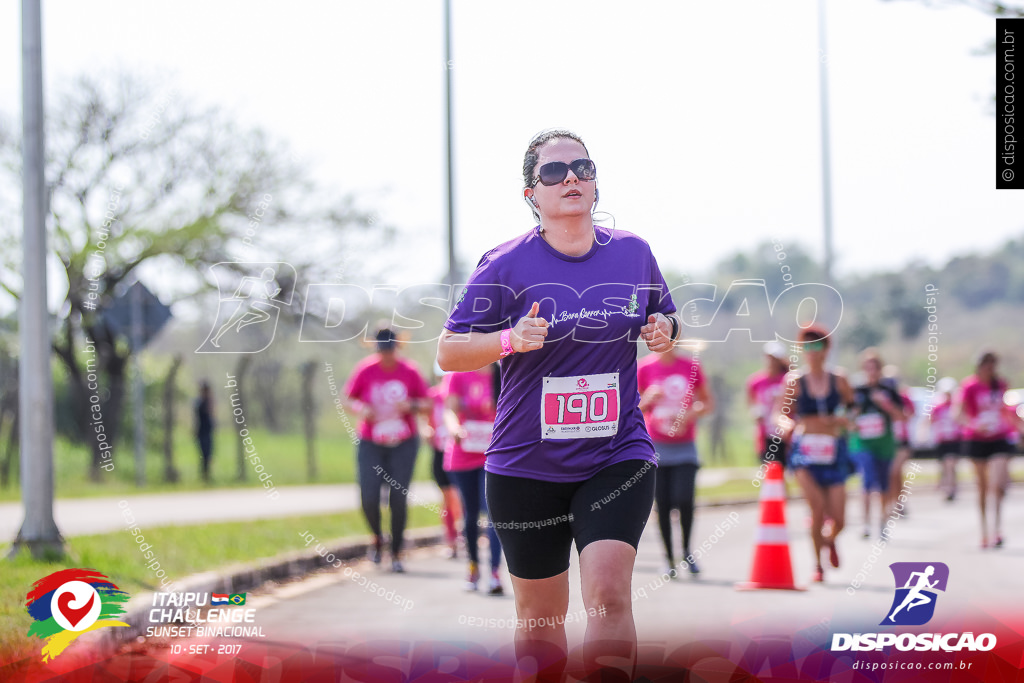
[(675, 327), (506, 343)]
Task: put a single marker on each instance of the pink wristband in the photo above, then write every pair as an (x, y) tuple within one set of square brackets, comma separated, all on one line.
[(506, 343)]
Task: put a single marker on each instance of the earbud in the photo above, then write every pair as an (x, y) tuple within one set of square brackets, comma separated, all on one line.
[(533, 200)]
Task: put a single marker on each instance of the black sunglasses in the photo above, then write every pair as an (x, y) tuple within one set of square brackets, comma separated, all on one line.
[(556, 171)]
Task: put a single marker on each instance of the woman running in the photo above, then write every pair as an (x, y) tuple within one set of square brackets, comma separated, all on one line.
[(764, 388), (877, 407), (988, 426), (438, 435), (387, 391), (562, 306), (901, 430), (945, 434), (469, 415), (673, 395), (818, 455)]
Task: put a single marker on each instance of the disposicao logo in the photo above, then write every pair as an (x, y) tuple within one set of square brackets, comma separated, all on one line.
[(916, 583), (914, 605), (71, 602)]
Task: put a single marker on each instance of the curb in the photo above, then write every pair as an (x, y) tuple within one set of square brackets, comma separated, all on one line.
[(244, 577), (240, 578)]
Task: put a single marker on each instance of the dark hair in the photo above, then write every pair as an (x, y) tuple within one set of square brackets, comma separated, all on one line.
[(989, 356), (538, 141), (813, 334), (386, 339)]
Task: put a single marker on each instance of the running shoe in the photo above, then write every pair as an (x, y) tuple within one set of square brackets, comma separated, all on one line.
[(999, 542), (396, 567), (867, 532), (377, 551), (473, 578), (495, 588), (670, 569), (819, 575), (693, 568)]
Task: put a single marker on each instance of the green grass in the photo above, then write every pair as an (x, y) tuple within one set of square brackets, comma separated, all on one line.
[(181, 551), (282, 455)]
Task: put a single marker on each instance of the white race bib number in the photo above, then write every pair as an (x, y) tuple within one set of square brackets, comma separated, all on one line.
[(478, 436), (818, 449), (583, 407), (390, 432), (871, 426)]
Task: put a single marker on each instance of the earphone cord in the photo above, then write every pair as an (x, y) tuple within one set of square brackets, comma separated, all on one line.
[(610, 232)]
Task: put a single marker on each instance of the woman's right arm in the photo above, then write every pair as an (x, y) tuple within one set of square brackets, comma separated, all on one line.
[(467, 352), (474, 350)]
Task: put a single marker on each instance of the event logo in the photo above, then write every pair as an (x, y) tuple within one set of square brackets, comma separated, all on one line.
[(68, 603), (250, 302), (916, 583), (914, 605)]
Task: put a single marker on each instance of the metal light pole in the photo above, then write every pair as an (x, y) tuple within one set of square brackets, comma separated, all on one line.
[(453, 269), (38, 532), (138, 391), (826, 159)]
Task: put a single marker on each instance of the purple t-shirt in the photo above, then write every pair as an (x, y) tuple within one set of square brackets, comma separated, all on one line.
[(595, 305)]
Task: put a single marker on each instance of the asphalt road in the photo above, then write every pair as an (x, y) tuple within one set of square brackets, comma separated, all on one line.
[(429, 602)]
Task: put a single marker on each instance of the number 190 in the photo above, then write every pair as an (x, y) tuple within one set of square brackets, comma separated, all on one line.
[(577, 403)]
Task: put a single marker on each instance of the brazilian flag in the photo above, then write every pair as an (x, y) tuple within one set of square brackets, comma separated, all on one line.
[(237, 598)]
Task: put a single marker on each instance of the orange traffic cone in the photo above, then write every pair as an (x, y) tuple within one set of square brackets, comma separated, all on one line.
[(772, 567)]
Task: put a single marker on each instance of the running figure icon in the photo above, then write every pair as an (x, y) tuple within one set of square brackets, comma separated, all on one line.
[(915, 597), (252, 294)]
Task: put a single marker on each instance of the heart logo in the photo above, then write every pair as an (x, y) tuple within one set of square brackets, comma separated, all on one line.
[(74, 616)]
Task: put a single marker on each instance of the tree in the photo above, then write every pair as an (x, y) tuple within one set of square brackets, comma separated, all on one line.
[(147, 183)]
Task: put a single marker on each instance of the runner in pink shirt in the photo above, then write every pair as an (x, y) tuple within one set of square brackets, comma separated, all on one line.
[(988, 425), (387, 391), (437, 434), (469, 415), (945, 433), (763, 390), (673, 395)]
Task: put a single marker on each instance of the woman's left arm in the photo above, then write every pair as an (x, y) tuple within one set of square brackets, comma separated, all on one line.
[(657, 333)]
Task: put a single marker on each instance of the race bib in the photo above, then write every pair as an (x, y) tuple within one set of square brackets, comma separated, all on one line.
[(668, 418), (390, 432), (818, 449), (478, 436), (871, 426), (946, 430), (582, 407), (989, 421)]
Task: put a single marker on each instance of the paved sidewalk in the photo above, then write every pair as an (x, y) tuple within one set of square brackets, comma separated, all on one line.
[(83, 516)]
